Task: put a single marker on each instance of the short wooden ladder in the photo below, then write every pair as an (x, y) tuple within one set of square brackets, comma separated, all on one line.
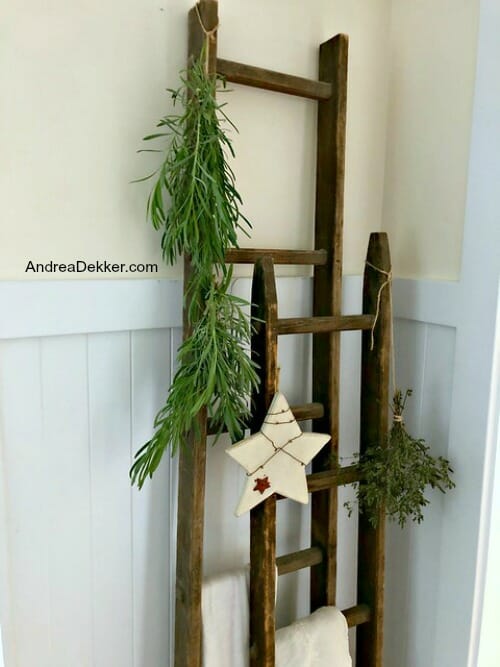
[(327, 475)]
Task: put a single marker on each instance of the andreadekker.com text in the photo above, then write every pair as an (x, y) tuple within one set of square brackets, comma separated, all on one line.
[(81, 266)]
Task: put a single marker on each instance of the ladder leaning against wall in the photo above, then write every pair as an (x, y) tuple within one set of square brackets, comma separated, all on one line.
[(326, 325)]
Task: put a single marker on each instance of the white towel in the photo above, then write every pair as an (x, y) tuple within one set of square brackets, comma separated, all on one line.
[(315, 641), (225, 619), (319, 640)]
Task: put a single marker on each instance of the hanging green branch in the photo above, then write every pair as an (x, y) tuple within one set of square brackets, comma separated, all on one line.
[(396, 474), (203, 214), (201, 220)]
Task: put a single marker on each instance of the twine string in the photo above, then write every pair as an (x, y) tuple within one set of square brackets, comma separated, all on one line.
[(285, 421), (277, 450), (387, 282), (277, 414), (209, 34)]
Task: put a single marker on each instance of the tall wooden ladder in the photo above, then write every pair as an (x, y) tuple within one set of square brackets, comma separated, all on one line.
[(326, 324)]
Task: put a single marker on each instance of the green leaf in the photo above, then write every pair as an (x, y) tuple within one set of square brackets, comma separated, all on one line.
[(396, 473), (200, 218)]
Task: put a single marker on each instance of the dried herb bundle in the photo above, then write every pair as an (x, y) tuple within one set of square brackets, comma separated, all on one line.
[(396, 474), (201, 220)]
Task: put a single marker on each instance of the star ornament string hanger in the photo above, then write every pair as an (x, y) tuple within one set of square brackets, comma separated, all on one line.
[(275, 457)]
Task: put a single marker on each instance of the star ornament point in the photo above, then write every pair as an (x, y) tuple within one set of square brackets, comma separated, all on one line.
[(275, 457)]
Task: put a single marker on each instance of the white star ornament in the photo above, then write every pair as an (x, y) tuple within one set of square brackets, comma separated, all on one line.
[(275, 458)]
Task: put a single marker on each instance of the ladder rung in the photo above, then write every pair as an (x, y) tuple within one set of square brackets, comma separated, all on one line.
[(329, 479), (321, 481), (357, 615), (270, 80), (308, 411), (298, 560), (301, 325), (300, 412), (251, 255)]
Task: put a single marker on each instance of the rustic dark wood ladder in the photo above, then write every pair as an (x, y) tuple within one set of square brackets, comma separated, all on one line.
[(326, 324)]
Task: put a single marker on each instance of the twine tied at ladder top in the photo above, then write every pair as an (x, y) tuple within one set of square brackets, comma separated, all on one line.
[(387, 283), (209, 34)]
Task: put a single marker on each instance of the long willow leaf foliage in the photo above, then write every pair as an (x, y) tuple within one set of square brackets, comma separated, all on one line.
[(195, 203)]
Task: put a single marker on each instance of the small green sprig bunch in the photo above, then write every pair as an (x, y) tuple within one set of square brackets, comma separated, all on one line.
[(201, 221), (395, 474)]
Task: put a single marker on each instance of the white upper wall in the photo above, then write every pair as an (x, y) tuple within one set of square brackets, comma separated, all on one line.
[(433, 60), (82, 82), (276, 153)]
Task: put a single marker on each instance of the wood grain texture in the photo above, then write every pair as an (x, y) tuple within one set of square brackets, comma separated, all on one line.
[(263, 517), (208, 12), (307, 411), (330, 479), (258, 77), (192, 457), (298, 560), (191, 500), (319, 481), (327, 302), (302, 325), (279, 256), (375, 368), (357, 615)]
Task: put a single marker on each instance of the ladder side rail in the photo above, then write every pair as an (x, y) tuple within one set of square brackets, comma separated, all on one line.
[(375, 369), (327, 301), (192, 457), (263, 517)]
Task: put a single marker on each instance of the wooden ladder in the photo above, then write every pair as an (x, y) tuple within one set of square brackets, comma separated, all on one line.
[(326, 324)]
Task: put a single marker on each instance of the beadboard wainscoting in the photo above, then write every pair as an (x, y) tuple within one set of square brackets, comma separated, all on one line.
[(87, 563)]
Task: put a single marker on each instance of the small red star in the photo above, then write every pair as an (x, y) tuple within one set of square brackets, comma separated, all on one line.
[(261, 484)]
